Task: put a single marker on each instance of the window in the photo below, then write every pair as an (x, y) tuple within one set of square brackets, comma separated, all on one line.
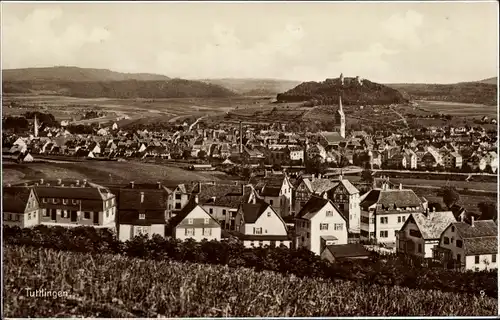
[(269, 214), (271, 202), (224, 212), (86, 215), (308, 235), (257, 230), (139, 230), (446, 240), (189, 232), (142, 216), (459, 244), (64, 214), (384, 220), (476, 259), (323, 226), (107, 213), (205, 221), (338, 226), (415, 233), (451, 240), (329, 213), (452, 228), (177, 205), (44, 200), (207, 231), (211, 211), (177, 196), (494, 258), (420, 248), (384, 234), (372, 220), (34, 215), (190, 221), (45, 212)]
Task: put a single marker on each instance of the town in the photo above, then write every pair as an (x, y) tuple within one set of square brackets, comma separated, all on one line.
[(294, 189)]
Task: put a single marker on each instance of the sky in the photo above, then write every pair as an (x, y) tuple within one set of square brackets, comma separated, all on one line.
[(382, 42)]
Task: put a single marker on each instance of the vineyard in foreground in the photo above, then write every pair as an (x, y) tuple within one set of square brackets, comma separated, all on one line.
[(117, 286)]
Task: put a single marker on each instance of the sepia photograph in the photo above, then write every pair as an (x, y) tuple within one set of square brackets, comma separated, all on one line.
[(242, 159)]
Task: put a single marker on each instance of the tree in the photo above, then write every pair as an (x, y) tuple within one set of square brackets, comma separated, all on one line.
[(450, 196), (186, 154), (316, 166), (367, 176), (488, 210), (436, 206), (202, 154)]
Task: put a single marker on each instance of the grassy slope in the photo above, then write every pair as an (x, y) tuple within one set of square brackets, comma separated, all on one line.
[(113, 286), (103, 172)]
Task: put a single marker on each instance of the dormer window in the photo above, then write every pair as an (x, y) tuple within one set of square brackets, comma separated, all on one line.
[(142, 216), (75, 201), (54, 200), (65, 201)]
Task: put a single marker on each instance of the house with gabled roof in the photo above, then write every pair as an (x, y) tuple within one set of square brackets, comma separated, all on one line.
[(193, 222), (259, 225), (320, 223), (469, 245), (421, 232), (385, 210), (308, 187), (344, 252), (277, 190), (20, 207), (346, 196), (141, 212)]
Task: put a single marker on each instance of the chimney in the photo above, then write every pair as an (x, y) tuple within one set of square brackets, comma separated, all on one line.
[(142, 197), (196, 198), (461, 218), (159, 184), (41, 181), (59, 181), (400, 186), (472, 221), (77, 182), (132, 184), (313, 177), (84, 182), (241, 137)]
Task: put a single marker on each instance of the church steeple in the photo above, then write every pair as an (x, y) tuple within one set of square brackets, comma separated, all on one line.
[(340, 121)]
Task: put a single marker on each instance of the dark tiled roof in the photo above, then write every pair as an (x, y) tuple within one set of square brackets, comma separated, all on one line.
[(252, 212), (481, 228), (270, 191), (87, 193), (261, 237), (319, 186), (390, 198), (130, 199), (132, 217), (206, 192), (350, 250), (314, 205), (483, 245), (15, 199)]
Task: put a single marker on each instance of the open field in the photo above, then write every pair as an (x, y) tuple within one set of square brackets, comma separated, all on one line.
[(459, 109), (133, 110), (104, 172), (115, 286)]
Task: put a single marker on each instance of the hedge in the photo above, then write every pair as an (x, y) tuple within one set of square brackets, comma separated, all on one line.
[(382, 270)]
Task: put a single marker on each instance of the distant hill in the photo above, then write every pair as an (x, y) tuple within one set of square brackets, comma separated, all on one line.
[(75, 74), (173, 88), (353, 92), (102, 83), (481, 92), (493, 80), (254, 87)]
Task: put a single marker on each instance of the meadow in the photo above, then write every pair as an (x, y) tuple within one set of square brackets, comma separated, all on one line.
[(459, 109), (115, 286), (104, 172)]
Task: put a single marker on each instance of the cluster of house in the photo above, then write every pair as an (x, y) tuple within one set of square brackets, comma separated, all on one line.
[(328, 217), (447, 148)]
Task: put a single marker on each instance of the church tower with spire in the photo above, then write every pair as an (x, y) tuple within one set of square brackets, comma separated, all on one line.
[(340, 119)]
